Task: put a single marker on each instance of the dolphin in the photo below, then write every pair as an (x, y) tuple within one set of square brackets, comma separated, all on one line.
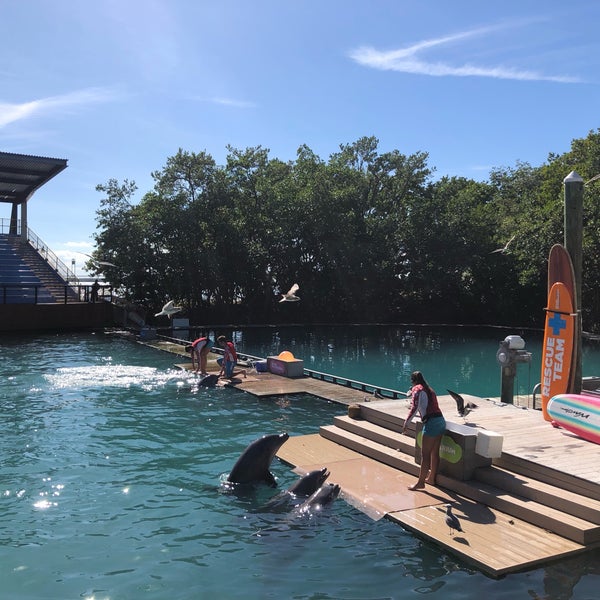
[(209, 380), (254, 462), (309, 483), (324, 496), (302, 488)]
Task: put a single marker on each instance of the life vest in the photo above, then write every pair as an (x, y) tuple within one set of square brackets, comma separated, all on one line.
[(209, 342), (231, 351), (433, 408)]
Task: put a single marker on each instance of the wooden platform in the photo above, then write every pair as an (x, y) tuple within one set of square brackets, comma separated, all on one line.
[(493, 541), (538, 502)]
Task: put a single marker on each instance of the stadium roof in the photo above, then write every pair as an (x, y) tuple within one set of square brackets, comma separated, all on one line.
[(21, 175)]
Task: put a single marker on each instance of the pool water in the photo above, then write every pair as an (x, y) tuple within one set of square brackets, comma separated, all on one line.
[(111, 485)]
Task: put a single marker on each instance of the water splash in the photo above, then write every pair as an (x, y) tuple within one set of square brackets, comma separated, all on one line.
[(120, 376)]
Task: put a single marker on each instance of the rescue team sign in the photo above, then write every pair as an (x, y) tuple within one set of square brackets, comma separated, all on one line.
[(557, 350)]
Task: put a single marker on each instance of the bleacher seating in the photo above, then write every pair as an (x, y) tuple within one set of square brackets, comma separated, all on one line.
[(18, 283)]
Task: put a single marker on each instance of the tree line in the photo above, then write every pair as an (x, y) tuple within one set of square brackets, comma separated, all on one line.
[(369, 236)]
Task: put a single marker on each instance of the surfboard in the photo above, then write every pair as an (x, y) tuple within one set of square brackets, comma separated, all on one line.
[(557, 349), (578, 414), (560, 268)]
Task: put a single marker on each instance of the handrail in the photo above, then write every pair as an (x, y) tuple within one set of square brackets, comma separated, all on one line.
[(377, 391), (42, 249)]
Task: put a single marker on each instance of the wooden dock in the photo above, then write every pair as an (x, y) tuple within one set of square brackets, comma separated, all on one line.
[(536, 503)]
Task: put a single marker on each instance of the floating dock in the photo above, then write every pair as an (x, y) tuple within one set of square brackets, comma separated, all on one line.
[(537, 501)]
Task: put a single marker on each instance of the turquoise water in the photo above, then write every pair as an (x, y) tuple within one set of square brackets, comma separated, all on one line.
[(459, 358), (112, 463)]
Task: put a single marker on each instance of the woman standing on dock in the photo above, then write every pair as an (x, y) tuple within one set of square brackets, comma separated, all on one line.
[(425, 402)]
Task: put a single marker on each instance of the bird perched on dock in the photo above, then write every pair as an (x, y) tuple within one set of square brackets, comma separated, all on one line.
[(291, 295), (504, 250), (463, 408), (452, 520), (168, 310)]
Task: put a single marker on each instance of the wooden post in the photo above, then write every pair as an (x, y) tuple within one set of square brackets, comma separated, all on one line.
[(573, 183)]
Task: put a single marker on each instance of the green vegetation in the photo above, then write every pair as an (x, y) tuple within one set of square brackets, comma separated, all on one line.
[(367, 236)]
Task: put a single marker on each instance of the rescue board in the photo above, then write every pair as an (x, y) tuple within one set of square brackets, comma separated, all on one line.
[(557, 349), (577, 413), (560, 268)]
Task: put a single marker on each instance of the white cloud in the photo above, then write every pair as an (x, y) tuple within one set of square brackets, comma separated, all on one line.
[(232, 102), (408, 60), (11, 113), (81, 245)]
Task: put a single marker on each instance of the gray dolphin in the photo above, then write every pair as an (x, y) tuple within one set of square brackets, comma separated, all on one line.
[(301, 489), (208, 380), (254, 462), (324, 496), (309, 483)]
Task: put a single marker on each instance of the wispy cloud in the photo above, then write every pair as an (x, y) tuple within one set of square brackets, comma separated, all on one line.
[(232, 102), (12, 112), (410, 60)]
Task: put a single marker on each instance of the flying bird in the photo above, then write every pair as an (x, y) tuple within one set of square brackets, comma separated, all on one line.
[(594, 178), (168, 309), (462, 408), (452, 521), (505, 249), (102, 263), (291, 295)]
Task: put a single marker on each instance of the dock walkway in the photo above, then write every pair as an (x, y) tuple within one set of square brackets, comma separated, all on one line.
[(538, 502)]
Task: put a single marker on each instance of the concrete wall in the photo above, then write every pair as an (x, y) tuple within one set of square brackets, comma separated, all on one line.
[(53, 317)]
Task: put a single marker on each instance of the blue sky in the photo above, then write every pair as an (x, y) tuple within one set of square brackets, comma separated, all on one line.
[(118, 86)]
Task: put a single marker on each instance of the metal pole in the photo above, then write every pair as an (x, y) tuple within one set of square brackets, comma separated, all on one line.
[(573, 183), (507, 390)]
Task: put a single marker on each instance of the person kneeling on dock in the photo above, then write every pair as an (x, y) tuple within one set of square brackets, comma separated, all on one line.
[(229, 360), (424, 401)]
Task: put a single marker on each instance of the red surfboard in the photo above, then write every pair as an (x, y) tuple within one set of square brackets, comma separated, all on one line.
[(557, 349)]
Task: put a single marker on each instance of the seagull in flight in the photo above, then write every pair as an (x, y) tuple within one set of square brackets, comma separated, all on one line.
[(291, 295), (452, 520), (463, 409), (505, 249), (594, 178), (101, 263), (168, 309)]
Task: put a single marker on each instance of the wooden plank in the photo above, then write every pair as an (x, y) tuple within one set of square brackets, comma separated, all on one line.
[(493, 541), (496, 543), (367, 484), (529, 442)]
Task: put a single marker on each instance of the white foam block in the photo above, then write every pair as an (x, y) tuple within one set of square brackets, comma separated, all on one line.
[(489, 444)]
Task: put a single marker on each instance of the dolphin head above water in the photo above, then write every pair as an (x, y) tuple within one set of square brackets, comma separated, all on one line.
[(254, 462), (324, 496), (309, 483)]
